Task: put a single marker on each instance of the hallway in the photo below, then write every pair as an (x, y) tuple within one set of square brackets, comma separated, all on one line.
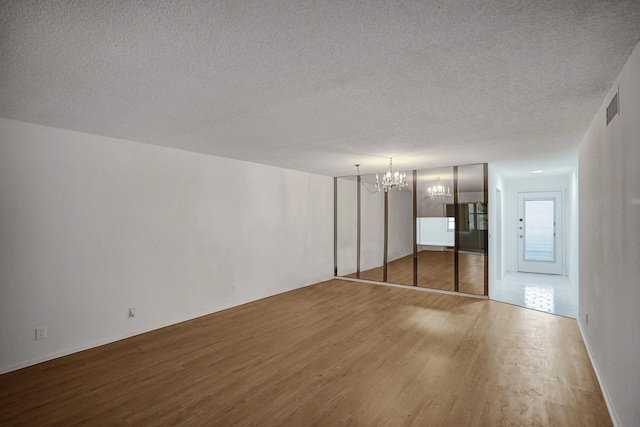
[(543, 292)]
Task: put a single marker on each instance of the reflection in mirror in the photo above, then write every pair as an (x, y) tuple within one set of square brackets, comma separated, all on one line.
[(400, 238), (371, 230), (435, 229), (472, 229), (451, 230), (346, 223)]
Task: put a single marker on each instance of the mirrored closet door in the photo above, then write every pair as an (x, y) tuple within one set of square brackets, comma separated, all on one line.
[(432, 234)]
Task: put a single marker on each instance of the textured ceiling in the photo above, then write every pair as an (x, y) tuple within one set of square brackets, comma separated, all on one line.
[(320, 85)]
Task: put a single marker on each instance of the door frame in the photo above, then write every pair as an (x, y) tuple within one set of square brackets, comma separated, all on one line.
[(498, 233), (542, 267)]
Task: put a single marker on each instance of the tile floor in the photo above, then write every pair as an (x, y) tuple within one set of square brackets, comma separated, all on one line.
[(542, 292)]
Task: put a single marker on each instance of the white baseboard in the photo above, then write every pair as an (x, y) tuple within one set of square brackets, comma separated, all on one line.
[(105, 341), (607, 399)]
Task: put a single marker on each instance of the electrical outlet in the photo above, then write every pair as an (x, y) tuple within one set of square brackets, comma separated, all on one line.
[(132, 312), (41, 333), (233, 288), (587, 317)]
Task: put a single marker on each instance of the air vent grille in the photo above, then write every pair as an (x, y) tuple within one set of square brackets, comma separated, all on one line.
[(613, 108)]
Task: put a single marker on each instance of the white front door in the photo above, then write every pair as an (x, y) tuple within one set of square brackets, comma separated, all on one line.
[(540, 248)]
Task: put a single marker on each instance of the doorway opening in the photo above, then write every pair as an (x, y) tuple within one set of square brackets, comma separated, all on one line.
[(538, 281), (540, 232)]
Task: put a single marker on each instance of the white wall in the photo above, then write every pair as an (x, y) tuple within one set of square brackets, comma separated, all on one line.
[(90, 226), (401, 222), (497, 264), (372, 225), (347, 225), (609, 177), (572, 232)]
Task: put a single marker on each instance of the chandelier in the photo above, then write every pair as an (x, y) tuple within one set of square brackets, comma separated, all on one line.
[(438, 191), (392, 179)]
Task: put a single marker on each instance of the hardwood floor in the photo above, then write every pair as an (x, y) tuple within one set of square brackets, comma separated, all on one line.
[(334, 353), (435, 271)]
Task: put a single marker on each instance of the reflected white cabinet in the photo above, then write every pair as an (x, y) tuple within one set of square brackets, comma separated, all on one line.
[(435, 232)]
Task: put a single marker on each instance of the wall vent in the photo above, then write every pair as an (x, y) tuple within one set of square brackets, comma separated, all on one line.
[(613, 108)]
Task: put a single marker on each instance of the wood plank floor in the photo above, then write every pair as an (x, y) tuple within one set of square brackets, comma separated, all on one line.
[(435, 271), (335, 353)]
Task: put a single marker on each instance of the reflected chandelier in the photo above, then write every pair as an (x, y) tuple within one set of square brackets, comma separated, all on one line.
[(438, 191), (392, 179)]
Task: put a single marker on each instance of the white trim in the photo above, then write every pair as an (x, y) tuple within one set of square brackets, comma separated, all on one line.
[(607, 399)]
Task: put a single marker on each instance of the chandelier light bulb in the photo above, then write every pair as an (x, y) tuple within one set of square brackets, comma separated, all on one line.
[(438, 191), (392, 179)]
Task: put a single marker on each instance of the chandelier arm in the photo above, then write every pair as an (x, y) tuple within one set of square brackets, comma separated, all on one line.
[(364, 184), (389, 180)]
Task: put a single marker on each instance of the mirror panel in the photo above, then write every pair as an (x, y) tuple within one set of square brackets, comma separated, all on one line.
[(451, 230), (472, 231), (435, 230), (372, 230), (346, 225), (400, 235)]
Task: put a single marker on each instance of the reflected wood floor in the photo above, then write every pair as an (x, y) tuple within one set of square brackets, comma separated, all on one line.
[(331, 354), (435, 271)]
